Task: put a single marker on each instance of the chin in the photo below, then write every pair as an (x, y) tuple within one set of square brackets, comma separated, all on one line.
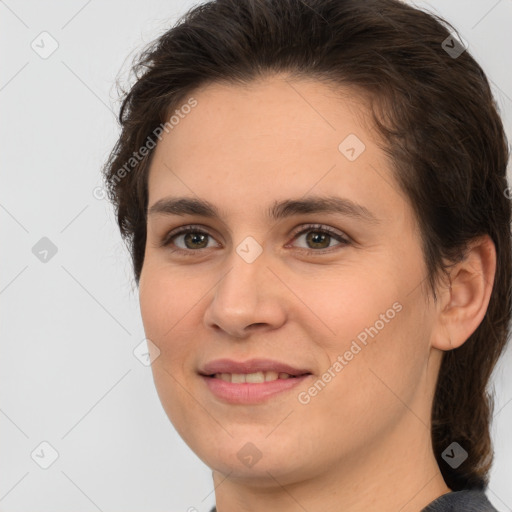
[(262, 474), (255, 458)]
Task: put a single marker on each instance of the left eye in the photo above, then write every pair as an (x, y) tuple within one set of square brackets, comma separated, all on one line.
[(317, 236)]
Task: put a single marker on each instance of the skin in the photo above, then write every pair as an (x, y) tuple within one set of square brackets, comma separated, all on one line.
[(242, 148)]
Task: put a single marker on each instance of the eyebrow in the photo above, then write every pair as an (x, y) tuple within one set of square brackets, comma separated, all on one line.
[(278, 210)]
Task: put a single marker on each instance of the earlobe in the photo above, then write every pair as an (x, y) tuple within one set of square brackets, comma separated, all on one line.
[(464, 303)]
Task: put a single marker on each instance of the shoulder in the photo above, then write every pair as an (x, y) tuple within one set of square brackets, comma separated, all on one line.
[(461, 501)]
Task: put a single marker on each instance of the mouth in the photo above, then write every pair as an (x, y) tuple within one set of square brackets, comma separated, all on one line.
[(250, 382), (252, 378)]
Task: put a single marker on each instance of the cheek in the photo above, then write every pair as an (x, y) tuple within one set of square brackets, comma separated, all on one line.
[(373, 385), (377, 333), (164, 301), (165, 305), (352, 305)]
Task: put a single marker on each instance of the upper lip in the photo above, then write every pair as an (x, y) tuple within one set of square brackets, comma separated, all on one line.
[(250, 366)]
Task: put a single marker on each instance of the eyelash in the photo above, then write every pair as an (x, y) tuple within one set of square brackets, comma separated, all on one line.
[(318, 228)]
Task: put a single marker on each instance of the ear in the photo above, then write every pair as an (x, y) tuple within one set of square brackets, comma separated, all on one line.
[(463, 302)]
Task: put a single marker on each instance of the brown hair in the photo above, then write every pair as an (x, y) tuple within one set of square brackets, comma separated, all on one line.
[(435, 111)]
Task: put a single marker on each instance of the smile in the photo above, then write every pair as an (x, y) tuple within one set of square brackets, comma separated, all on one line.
[(253, 378), (253, 381)]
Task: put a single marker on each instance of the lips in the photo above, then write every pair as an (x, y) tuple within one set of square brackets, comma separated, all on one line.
[(250, 382)]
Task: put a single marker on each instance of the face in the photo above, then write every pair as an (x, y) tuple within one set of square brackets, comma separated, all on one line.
[(322, 301)]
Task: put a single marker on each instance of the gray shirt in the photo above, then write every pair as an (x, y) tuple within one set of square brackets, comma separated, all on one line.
[(463, 501), (457, 501)]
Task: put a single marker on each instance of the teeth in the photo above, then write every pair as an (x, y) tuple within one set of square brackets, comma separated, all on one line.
[(271, 376), (237, 378), (253, 378)]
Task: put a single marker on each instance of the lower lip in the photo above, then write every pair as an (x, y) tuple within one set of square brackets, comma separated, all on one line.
[(250, 393)]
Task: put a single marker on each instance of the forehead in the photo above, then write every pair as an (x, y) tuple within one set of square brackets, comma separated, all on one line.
[(274, 112), (273, 139)]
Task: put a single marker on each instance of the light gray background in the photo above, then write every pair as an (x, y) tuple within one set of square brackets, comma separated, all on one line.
[(70, 325)]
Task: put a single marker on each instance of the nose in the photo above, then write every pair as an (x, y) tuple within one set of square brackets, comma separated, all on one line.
[(247, 298)]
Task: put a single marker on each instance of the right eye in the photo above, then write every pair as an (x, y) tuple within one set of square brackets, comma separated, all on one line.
[(194, 238)]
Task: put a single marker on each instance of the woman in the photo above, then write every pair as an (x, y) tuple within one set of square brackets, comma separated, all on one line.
[(314, 197)]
